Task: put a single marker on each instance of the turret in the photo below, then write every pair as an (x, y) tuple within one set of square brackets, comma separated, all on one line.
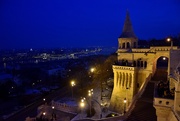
[(127, 39)]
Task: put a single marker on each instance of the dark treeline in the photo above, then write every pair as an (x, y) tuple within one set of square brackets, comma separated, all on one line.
[(159, 42)]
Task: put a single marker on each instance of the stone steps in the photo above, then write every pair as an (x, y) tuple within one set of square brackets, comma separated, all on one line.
[(144, 110)]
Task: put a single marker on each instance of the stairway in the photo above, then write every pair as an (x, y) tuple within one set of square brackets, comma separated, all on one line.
[(144, 110)]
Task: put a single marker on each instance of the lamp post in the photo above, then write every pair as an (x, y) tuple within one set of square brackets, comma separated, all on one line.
[(169, 62), (53, 114), (53, 109), (72, 85), (44, 100), (90, 93), (170, 40), (82, 104), (125, 105)]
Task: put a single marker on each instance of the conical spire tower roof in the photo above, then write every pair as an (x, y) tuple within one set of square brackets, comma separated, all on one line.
[(127, 29)]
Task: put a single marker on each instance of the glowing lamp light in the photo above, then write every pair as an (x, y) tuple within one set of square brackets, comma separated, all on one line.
[(168, 39), (44, 113), (125, 100), (92, 70), (72, 83)]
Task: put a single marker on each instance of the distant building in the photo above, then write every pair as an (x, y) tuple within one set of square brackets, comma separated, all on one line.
[(55, 71)]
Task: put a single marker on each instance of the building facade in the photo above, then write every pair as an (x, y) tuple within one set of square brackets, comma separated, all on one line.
[(134, 69)]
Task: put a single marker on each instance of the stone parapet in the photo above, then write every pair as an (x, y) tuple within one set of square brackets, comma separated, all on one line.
[(163, 102), (116, 67)]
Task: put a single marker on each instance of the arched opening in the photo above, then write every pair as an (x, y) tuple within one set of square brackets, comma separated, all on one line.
[(123, 45), (161, 75), (141, 63), (162, 62), (134, 44), (126, 62), (138, 63), (128, 45), (145, 64)]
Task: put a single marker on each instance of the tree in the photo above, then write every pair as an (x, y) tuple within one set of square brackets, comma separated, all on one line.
[(104, 70)]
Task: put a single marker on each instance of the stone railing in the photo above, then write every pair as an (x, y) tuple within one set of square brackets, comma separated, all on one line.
[(139, 50), (164, 48), (65, 107), (163, 102), (149, 50), (176, 114)]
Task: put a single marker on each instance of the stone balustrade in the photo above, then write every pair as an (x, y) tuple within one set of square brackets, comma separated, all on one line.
[(163, 102), (65, 107), (149, 50), (123, 68)]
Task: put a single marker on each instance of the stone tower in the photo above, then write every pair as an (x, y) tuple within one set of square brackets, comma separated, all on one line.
[(127, 40), (124, 71)]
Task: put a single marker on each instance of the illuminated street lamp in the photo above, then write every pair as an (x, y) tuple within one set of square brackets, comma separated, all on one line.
[(170, 40), (90, 93), (44, 99), (53, 114), (82, 104), (164, 58), (92, 70), (125, 101), (72, 85), (44, 113)]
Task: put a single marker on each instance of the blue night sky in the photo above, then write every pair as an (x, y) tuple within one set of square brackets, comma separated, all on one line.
[(83, 23)]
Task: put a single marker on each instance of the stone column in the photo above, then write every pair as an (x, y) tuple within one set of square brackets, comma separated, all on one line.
[(115, 79), (130, 80), (120, 79), (127, 80), (123, 80)]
